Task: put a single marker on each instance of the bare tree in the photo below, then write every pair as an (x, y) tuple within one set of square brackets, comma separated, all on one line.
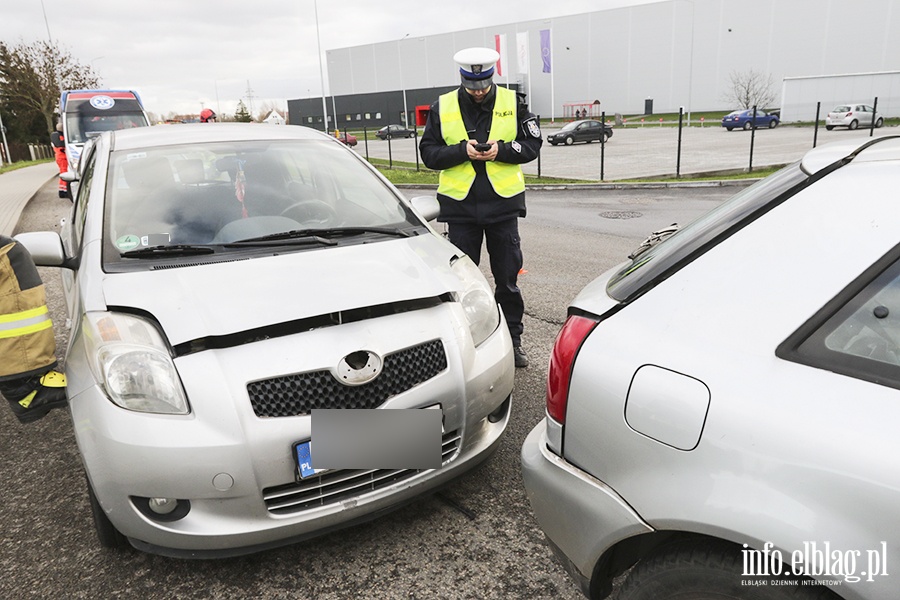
[(750, 88), (33, 75)]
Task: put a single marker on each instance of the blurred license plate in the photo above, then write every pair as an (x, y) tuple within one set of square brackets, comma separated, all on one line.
[(304, 461)]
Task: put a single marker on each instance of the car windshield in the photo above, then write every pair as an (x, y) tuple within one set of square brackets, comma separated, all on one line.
[(661, 260), (570, 126), (222, 193)]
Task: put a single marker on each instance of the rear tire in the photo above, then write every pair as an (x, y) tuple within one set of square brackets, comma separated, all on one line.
[(747, 126), (707, 570), (879, 123), (829, 127), (853, 124), (109, 536)]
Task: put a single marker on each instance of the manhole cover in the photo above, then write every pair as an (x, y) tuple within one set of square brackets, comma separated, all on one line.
[(621, 214)]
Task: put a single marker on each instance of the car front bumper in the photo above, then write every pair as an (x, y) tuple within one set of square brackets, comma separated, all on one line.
[(232, 465), (581, 516)]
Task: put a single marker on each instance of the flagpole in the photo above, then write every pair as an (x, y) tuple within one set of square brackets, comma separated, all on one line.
[(552, 85)]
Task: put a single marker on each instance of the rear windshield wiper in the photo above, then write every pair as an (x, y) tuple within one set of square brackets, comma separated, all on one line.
[(168, 250), (653, 239), (321, 234)]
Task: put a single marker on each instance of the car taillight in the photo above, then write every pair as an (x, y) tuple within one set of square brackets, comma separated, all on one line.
[(568, 342)]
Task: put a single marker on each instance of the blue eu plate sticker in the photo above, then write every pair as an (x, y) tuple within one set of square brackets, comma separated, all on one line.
[(304, 460)]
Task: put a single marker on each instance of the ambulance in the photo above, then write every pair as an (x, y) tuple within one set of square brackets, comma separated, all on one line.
[(87, 113)]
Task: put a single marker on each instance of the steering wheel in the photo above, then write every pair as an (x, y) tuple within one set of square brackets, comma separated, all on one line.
[(311, 212)]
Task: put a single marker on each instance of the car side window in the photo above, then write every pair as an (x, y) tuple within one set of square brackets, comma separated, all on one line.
[(81, 199), (858, 333)]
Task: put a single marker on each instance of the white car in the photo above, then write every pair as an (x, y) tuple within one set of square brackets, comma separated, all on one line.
[(852, 116), (722, 407), (225, 282)]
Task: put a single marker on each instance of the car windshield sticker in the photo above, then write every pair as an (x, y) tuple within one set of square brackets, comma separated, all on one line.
[(102, 102), (516, 146), (128, 242), (533, 129)]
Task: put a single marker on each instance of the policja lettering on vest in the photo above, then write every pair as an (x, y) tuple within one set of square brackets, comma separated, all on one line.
[(477, 136)]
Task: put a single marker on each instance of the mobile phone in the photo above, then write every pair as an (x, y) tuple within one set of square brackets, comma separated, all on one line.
[(482, 147)]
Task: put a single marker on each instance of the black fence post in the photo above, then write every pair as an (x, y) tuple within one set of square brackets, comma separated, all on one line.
[(816, 128), (366, 141), (602, 144), (752, 138), (539, 152), (874, 117), (680, 124), (390, 155)]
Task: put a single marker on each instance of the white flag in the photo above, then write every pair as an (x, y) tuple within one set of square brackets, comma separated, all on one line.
[(500, 43), (522, 50)]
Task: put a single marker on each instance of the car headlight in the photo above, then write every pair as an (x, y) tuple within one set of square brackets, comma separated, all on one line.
[(131, 360), (479, 306)]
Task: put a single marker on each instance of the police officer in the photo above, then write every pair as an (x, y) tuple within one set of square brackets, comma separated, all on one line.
[(27, 346), (477, 136)]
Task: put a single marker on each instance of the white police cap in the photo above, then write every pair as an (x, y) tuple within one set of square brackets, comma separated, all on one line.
[(476, 67)]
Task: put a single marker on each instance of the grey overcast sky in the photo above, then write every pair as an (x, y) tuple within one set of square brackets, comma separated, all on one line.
[(181, 55)]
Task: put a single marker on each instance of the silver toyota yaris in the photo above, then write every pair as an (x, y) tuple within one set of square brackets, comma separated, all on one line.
[(225, 282)]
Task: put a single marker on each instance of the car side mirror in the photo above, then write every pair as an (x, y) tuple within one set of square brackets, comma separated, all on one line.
[(69, 176), (427, 207), (46, 249)]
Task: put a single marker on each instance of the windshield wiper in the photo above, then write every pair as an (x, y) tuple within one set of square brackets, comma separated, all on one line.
[(322, 234), (168, 250), (286, 238), (653, 239)]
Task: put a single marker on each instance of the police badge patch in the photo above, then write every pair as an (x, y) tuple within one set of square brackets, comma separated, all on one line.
[(532, 128), (516, 146)]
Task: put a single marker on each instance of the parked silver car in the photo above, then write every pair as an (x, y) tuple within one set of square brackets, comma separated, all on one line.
[(852, 116), (225, 282), (722, 407)]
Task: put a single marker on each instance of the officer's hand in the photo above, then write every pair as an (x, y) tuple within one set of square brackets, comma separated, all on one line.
[(477, 155)]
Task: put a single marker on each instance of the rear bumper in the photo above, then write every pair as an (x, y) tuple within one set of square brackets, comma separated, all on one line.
[(581, 516)]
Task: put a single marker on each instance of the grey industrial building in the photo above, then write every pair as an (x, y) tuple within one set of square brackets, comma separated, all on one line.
[(670, 54)]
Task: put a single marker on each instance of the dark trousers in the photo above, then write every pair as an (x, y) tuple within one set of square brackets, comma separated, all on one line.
[(505, 254)]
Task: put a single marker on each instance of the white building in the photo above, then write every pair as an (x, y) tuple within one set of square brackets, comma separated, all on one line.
[(679, 53)]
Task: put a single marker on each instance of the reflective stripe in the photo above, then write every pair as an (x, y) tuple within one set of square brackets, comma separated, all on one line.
[(25, 314), (25, 322)]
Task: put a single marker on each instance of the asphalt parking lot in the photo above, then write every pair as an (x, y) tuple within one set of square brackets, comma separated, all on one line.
[(650, 150), (477, 539)]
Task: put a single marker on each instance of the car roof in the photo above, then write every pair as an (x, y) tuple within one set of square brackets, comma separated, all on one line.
[(199, 133), (881, 148)]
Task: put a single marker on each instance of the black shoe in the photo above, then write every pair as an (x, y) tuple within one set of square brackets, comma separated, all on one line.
[(50, 394), (520, 356)]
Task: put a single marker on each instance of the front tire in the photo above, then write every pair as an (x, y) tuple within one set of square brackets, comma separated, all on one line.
[(109, 536), (773, 124), (708, 570), (570, 140)]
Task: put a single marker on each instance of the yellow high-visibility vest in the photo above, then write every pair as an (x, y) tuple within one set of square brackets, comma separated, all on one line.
[(506, 179), (27, 344)]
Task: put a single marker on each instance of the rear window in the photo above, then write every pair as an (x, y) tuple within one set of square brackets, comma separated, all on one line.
[(858, 333), (841, 109), (662, 260)]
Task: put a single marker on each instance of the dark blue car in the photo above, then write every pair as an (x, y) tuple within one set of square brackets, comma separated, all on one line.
[(743, 119)]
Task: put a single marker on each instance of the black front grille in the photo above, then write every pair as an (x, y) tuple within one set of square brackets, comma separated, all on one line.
[(298, 394), (344, 484)]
